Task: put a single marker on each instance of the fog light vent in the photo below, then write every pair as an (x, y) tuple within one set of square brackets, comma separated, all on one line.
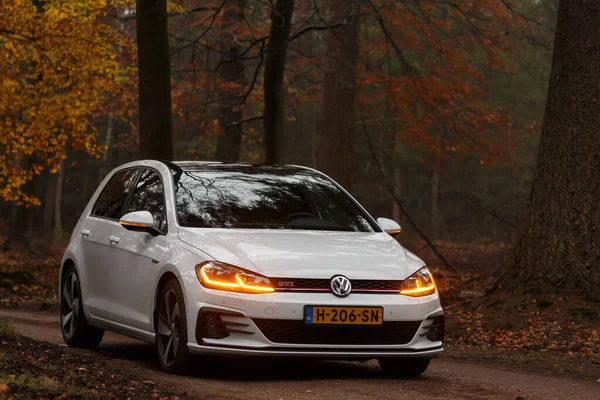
[(210, 325), (434, 331)]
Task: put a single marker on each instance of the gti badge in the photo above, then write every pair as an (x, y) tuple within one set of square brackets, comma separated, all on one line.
[(340, 286)]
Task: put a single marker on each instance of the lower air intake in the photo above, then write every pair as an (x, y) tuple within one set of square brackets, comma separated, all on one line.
[(296, 332)]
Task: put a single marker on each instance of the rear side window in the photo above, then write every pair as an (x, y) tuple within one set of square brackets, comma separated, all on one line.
[(149, 196), (111, 202)]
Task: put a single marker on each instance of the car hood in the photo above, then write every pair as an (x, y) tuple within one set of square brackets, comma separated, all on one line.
[(305, 254)]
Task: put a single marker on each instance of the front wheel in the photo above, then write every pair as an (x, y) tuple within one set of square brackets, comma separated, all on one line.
[(404, 367), (75, 329), (171, 329)]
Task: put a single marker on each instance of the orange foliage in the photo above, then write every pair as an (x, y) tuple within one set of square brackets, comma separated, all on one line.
[(420, 68), (61, 65), (423, 78)]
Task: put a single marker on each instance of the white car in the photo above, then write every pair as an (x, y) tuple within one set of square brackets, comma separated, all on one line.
[(243, 260)]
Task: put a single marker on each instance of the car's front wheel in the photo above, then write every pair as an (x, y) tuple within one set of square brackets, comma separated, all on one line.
[(75, 329), (404, 367), (171, 329)]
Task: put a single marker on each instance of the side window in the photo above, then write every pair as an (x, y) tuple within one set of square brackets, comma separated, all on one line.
[(111, 202), (148, 195)]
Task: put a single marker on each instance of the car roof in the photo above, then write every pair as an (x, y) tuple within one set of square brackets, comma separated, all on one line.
[(239, 167)]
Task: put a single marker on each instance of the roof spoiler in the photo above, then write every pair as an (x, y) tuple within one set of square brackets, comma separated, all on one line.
[(171, 165)]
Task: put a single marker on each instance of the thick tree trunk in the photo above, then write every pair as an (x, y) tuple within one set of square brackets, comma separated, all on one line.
[(340, 88), (559, 243), (281, 21), (229, 144), (156, 136)]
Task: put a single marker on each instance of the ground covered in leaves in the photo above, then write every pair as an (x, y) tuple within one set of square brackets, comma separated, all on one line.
[(30, 275), (547, 334), (34, 370), (499, 327)]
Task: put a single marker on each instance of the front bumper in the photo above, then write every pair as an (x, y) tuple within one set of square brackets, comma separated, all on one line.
[(344, 354), (239, 317)]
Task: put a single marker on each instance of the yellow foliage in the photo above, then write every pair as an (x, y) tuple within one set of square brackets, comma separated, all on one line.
[(62, 66)]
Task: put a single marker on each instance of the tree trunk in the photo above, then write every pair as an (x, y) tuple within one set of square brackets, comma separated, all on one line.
[(281, 21), (435, 188), (396, 212), (21, 219), (340, 88), (559, 243), (60, 178), (49, 202), (229, 144), (107, 142), (156, 136)]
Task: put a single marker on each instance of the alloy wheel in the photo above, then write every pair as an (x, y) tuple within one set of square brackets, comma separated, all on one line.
[(169, 323), (69, 310)]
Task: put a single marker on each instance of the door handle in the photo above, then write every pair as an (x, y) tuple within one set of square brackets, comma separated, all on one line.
[(85, 233), (114, 239)]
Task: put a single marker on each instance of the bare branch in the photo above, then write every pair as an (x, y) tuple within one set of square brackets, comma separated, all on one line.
[(246, 120), (392, 193)]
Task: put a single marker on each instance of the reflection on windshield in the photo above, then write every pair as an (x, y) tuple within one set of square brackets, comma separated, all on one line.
[(264, 198)]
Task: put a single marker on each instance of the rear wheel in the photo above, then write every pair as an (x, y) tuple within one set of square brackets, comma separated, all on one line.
[(75, 329), (171, 329), (404, 367)]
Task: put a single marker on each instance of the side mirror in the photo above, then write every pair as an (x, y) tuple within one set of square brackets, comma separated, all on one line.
[(389, 225), (139, 221)]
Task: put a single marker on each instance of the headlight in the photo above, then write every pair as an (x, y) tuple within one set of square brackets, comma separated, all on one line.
[(420, 283), (221, 276)]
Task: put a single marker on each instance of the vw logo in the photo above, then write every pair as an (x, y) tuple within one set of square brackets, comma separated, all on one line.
[(340, 286)]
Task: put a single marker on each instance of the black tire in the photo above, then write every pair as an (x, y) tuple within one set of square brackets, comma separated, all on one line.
[(170, 326), (76, 331), (404, 367)]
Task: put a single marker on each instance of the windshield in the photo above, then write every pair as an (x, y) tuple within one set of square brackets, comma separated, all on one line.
[(265, 198)]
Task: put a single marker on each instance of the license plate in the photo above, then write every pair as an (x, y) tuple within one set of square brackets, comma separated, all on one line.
[(317, 315)]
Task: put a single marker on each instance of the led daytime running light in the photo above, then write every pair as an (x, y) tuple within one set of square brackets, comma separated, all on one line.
[(237, 284), (217, 283), (419, 290), (252, 287)]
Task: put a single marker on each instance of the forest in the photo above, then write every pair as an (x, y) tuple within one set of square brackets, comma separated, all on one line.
[(438, 103), (473, 124)]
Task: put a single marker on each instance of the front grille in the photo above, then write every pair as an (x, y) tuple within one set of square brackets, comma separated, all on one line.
[(358, 285), (364, 284), (296, 332), (299, 284)]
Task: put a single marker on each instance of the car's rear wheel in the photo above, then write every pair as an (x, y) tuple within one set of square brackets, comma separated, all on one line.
[(171, 329), (404, 367), (75, 329)]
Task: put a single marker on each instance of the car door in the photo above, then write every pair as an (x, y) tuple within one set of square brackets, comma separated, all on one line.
[(138, 254), (97, 244)]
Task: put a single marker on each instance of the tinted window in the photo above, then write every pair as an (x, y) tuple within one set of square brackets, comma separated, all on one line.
[(265, 198), (149, 196), (112, 200)]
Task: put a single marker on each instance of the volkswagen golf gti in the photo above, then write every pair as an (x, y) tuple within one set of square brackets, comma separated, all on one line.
[(245, 260)]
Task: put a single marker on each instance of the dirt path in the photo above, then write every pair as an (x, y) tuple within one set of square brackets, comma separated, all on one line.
[(228, 378)]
